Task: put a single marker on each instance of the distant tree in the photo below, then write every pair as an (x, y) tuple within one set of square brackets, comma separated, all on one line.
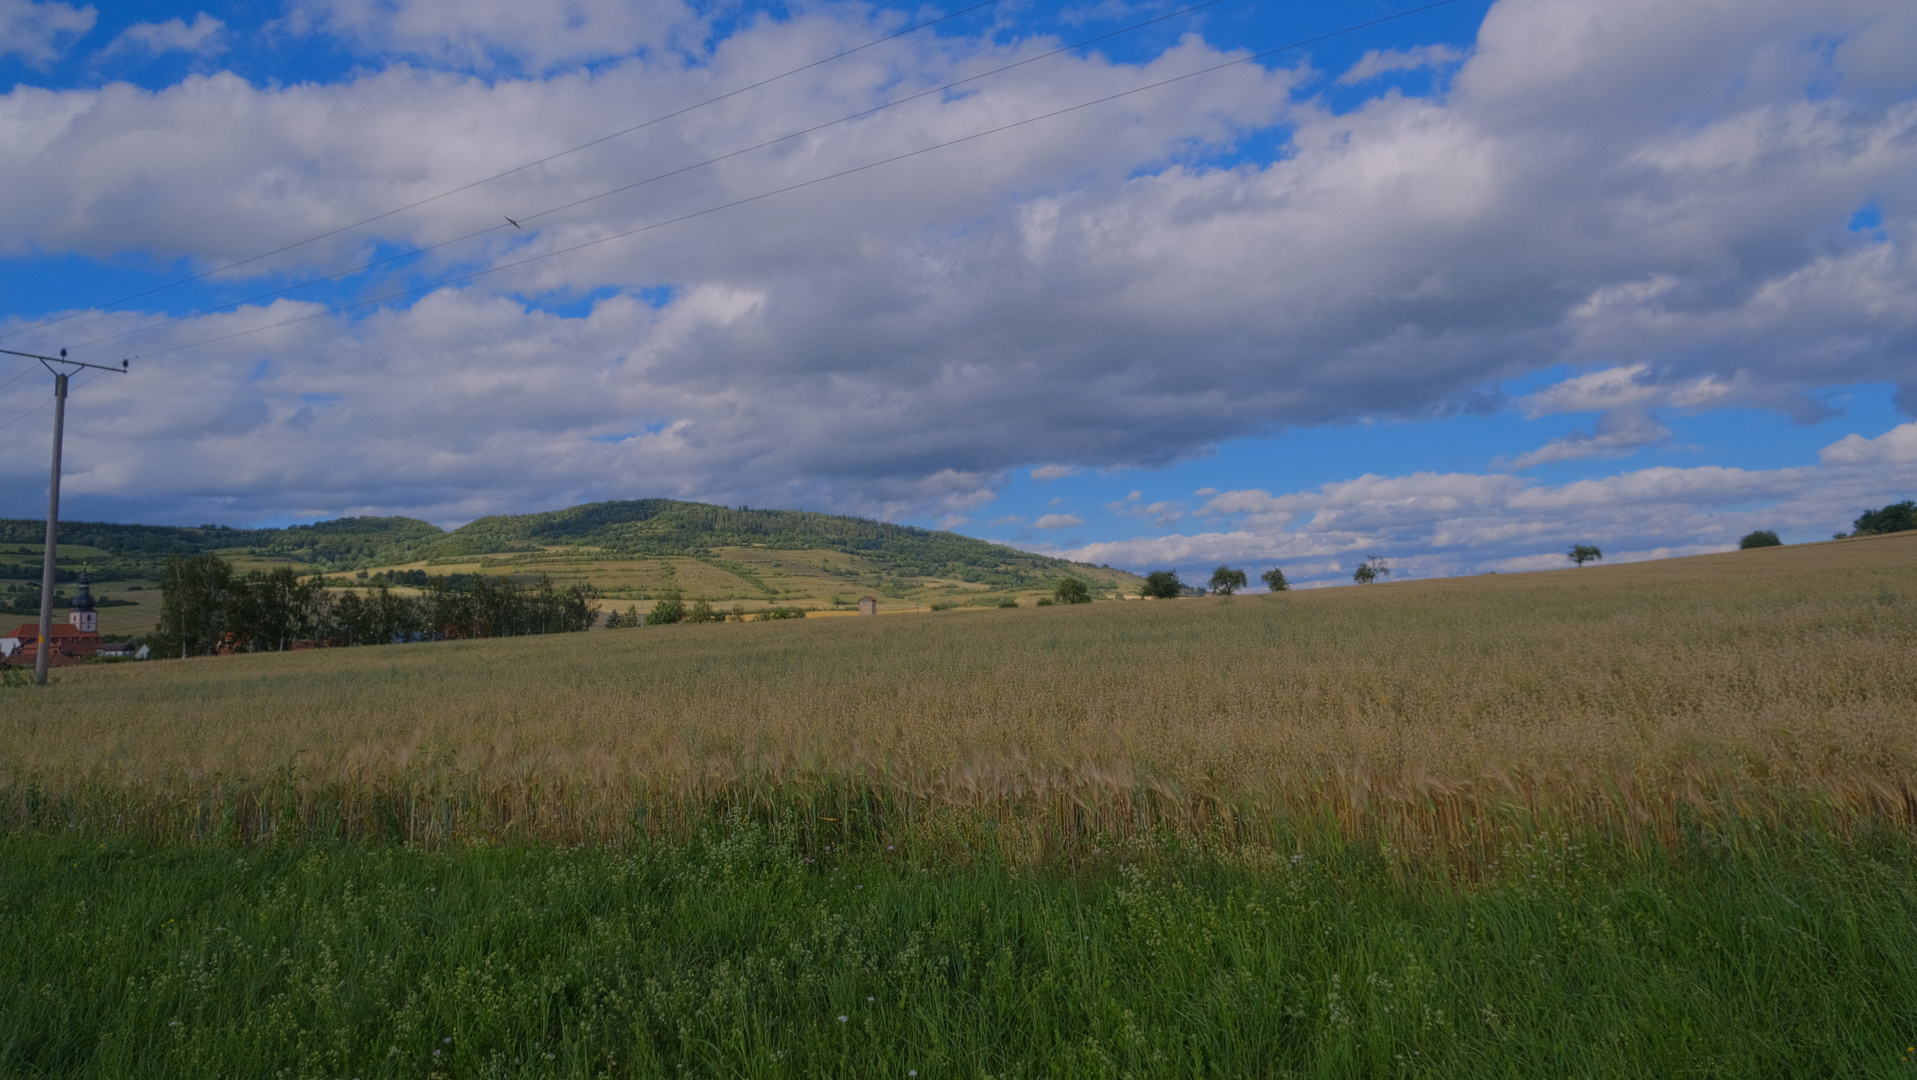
[(196, 605), (1370, 570), (1584, 553), (268, 610), (1897, 517), (1760, 538), (394, 618), (343, 622), (1274, 580), (1162, 585), (1225, 580), (614, 621), (702, 612), (671, 608), (1072, 591)]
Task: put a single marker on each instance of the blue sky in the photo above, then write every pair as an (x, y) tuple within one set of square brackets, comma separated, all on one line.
[(1460, 289)]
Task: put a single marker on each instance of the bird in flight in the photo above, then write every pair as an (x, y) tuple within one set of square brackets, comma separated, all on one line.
[(515, 224)]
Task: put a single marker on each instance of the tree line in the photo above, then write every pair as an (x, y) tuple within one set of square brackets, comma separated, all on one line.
[(208, 607), (1225, 580)]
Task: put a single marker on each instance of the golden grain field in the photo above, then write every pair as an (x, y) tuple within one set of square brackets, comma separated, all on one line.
[(1772, 682)]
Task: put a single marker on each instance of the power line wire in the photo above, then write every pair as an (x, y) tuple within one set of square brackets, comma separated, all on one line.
[(456, 279), (514, 223), (515, 169), (85, 379), (28, 370)]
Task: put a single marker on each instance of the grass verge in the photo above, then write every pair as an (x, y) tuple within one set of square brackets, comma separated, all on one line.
[(730, 953)]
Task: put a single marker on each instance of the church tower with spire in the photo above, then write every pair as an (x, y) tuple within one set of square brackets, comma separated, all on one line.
[(84, 618)]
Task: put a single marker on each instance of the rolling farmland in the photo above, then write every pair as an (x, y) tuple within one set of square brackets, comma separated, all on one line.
[(1618, 820)]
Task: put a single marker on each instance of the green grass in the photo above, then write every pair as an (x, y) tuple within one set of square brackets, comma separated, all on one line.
[(1749, 954)]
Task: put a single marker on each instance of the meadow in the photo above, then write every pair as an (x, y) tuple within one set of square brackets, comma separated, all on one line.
[(1765, 683), (1628, 820)]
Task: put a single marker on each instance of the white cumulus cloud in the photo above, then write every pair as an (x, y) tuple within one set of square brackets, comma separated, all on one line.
[(1898, 446), (1453, 523), (201, 37), (485, 33), (1617, 434), (40, 31), (1651, 192), (1376, 62)]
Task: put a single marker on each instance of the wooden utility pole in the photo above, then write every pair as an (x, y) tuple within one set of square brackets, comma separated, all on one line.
[(43, 653)]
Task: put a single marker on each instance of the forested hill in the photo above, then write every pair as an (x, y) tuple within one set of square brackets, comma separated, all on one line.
[(650, 527), (342, 542)]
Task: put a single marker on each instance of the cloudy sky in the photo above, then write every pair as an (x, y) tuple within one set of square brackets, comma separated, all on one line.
[(1134, 282)]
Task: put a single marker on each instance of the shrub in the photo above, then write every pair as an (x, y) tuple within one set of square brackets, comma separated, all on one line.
[(671, 608), (1897, 517), (1045, 601), (1008, 601), (1072, 591), (1760, 538), (781, 613), (1162, 585)]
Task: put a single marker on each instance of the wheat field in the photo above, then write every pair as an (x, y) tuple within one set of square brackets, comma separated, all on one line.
[(1772, 684)]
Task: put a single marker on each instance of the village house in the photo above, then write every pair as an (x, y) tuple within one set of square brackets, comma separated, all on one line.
[(72, 642)]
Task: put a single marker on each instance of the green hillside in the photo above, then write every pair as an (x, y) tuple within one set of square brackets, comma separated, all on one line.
[(628, 549), (342, 542), (654, 527)]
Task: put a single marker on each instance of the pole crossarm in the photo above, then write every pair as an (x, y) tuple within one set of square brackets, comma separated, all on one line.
[(122, 369)]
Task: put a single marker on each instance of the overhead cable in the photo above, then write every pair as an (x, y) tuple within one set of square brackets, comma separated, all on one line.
[(515, 169), (515, 223), (458, 278)]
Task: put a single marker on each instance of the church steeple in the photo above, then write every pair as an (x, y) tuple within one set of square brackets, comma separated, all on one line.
[(84, 618)]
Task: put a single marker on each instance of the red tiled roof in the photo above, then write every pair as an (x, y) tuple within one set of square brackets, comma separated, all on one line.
[(31, 632), (28, 655)]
